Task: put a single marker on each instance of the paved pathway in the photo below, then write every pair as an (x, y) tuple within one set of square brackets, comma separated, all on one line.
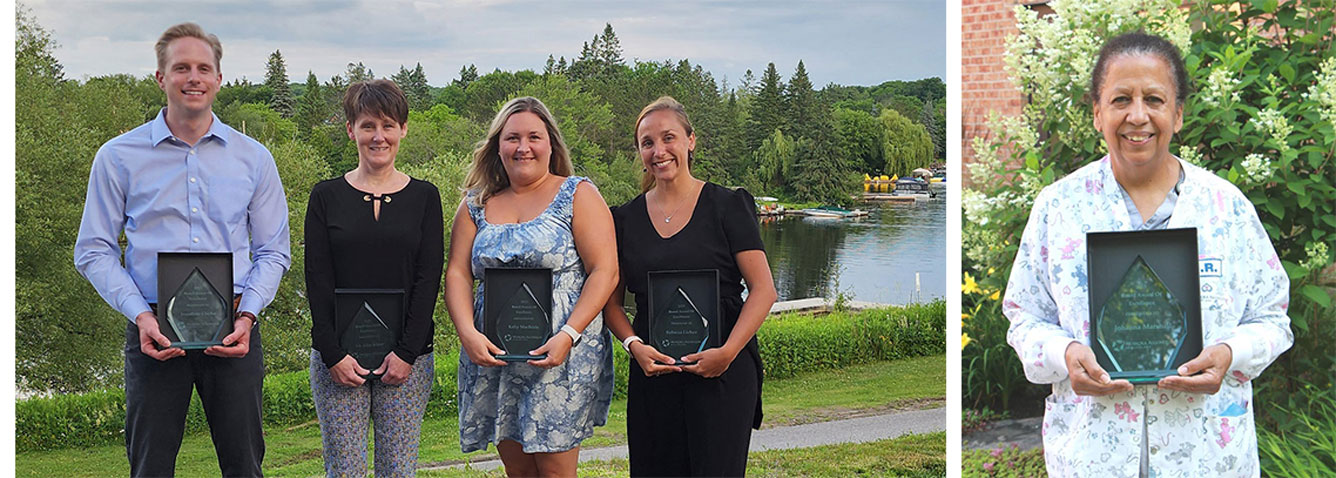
[(1023, 432), (853, 430)]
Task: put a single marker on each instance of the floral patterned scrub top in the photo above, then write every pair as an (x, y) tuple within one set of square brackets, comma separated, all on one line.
[(549, 410), (1244, 297)]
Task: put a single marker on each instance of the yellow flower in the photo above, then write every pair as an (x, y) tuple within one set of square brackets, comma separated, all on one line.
[(964, 340), (970, 287), (996, 294), (990, 270)]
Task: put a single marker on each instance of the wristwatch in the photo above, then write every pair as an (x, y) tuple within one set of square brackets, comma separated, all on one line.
[(574, 334)]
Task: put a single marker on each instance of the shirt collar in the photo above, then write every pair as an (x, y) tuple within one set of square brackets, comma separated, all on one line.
[(160, 132)]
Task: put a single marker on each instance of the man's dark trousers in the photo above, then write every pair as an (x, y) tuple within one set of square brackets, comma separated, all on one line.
[(157, 396)]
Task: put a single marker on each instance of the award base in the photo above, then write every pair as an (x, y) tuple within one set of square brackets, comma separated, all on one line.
[(519, 358)]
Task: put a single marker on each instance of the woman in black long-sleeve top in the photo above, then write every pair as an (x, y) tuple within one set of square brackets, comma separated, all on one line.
[(373, 228)]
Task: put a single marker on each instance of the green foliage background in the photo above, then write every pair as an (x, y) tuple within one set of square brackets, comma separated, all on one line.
[(596, 97), (1263, 116)]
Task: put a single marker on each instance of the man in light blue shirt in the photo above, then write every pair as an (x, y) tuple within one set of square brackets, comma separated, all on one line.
[(186, 182)]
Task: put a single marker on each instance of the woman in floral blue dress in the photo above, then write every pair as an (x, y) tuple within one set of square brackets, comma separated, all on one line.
[(522, 208)]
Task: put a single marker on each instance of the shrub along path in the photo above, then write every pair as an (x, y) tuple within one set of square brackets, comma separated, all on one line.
[(906, 384)]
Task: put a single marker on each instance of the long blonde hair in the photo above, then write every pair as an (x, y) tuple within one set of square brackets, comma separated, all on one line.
[(487, 175), (663, 103)]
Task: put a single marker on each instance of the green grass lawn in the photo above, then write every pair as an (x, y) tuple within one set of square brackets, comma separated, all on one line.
[(853, 391), (906, 456)]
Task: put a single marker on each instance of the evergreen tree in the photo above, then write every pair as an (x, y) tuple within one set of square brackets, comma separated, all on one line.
[(311, 108), (550, 68), (276, 78), (599, 57), (467, 74), (358, 72), (414, 84), (767, 109), (609, 53), (801, 104), (748, 85)]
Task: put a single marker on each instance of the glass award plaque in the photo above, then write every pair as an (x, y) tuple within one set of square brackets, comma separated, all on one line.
[(683, 311), (195, 298), (1144, 302), (370, 322), (517, 311)]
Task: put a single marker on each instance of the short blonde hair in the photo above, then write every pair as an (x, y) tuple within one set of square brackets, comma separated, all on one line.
[(663, 103), (487, 175), (188, 29)]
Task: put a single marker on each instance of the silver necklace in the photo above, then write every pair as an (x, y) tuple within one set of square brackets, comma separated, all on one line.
[(683, 202)]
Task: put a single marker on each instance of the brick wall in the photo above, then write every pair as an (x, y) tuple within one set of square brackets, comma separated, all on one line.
[(984, 86)]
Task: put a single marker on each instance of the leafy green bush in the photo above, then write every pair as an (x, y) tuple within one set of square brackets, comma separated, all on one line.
[(796, 343), (98, 418), (1305, 445), (1263, 117)]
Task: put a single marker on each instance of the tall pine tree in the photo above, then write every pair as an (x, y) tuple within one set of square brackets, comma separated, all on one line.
[(311, 108), (276, 78), (767, 108), (414, 84), (801, 104)]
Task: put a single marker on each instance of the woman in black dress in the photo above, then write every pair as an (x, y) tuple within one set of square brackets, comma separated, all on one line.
[(689, 420), (373, 228)]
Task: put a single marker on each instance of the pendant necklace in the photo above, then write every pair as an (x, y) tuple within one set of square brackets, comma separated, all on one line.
[(683, 202)]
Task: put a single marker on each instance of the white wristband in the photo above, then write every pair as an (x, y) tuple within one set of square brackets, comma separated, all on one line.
[(626, 344), (575, 335)]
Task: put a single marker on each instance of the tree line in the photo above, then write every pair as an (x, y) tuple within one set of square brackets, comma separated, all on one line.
[(775, 136)]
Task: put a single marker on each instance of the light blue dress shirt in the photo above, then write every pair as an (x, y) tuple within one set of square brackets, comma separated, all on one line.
[(222, 195)]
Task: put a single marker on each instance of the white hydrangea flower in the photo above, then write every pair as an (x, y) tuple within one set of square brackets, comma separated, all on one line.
[(1189, 154), (1275, 124), (1256, 168), (1221, 87), (1317, 256), (1324, 91)]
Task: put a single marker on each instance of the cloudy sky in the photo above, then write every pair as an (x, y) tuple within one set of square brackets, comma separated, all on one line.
[(862, 42)]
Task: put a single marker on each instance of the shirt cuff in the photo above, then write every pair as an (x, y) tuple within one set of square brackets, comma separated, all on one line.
[(1241, 350), (249, 304), (1055, 354), (133, 307)]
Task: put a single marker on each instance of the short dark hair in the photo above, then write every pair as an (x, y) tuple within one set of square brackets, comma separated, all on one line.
[(377, 98), (1140, 43)]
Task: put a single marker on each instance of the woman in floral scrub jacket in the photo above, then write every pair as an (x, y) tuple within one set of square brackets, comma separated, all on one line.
[(1199, 423)]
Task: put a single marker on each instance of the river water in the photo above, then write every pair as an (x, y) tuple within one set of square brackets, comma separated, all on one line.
[(873, 259)]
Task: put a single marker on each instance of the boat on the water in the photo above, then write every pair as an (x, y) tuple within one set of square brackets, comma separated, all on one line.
[(833, 212), (914, 187)]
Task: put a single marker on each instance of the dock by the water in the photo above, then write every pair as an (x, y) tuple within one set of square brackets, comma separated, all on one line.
[(820, 304)]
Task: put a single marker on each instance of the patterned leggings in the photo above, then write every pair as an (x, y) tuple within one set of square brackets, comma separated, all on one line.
[(396, 411)]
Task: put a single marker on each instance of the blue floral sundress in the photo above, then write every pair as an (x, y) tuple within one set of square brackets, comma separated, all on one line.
[(549, 410)]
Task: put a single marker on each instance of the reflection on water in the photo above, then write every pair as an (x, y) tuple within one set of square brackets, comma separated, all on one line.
[(872, 259)]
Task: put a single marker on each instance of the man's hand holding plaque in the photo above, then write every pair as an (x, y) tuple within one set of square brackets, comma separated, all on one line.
[(195, 306)]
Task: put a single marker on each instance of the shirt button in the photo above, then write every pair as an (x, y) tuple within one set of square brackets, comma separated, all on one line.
[(192, 151), (196, 239), (192, 180), (194, 209)]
